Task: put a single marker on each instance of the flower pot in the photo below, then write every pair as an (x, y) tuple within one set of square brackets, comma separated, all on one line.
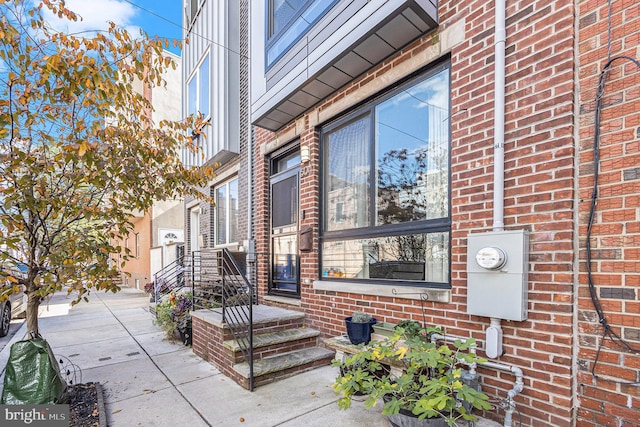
[(405, 418), (384, 329), (185, 336), (359, 333)]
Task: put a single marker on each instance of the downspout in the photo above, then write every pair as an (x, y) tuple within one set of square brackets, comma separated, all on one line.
[(251, 255)]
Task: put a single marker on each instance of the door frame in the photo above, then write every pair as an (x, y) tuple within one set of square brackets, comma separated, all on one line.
[(275, 178)]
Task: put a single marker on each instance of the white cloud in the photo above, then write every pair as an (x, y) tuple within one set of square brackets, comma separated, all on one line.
[(95, 16)]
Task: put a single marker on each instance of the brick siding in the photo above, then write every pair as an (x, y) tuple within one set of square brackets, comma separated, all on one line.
[(615, 241)]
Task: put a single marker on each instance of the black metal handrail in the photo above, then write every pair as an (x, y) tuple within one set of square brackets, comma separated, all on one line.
[(226, 281), (237, 305), (176, 275)]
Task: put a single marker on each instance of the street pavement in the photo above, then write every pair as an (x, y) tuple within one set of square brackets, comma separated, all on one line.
[(14, 327), (150, 381)]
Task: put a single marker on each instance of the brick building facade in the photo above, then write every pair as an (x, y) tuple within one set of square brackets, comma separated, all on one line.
[(215, 84), (555, 52), (608, 338)]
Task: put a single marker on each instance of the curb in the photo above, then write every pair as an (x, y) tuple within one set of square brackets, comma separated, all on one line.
[(102, 412)]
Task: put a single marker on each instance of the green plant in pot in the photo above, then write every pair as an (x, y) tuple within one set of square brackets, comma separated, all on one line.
[(359, 327), (415, 378), (173, 314)]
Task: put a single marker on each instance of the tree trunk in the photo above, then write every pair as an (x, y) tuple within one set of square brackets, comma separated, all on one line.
[(33, 305)]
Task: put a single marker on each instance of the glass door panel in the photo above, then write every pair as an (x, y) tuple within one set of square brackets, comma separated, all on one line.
[(284, 234)]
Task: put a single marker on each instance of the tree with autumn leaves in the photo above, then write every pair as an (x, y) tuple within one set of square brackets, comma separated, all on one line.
[(79, 151)]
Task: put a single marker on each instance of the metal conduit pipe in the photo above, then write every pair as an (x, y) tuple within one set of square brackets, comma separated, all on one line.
[(518, 385), (517, 388), (500, 36), (451, 339), (494, 332)]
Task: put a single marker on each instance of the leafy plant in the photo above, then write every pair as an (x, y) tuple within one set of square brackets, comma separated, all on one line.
[(428, 379), (173, 312), (80, 151), (409, 328)]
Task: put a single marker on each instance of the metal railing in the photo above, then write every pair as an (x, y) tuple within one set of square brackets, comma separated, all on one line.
[(221, 280), (176, 275), (237, 305)]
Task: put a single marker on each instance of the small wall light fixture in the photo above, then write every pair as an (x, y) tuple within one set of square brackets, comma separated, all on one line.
[(304, 153)]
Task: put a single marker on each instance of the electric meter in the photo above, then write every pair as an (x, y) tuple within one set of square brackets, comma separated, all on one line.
[(491, 258)]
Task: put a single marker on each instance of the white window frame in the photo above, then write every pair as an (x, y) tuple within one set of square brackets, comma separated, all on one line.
[(197, 72), (194, 228), (227, 204), (196, 159)]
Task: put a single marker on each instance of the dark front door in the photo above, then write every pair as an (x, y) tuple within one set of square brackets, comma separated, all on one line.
[(285, 269)]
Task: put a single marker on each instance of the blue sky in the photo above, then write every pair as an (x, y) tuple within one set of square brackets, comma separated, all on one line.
[(170, 10), (160, 18)]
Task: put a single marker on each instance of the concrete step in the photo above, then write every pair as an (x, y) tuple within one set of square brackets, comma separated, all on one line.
[(264, 316), (274, 338), (283, 365)]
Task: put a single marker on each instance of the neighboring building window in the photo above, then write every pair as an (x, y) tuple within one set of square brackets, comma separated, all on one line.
[(191, 9), (137, 245), (198, 90), (386, 187), (339, 212), (288, 21), (194, 228), (226, 213), (198, 102)]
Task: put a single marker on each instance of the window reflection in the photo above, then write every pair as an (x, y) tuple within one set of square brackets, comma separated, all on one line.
[(412, 158), (411, 257), (289, 20), (285, 263)]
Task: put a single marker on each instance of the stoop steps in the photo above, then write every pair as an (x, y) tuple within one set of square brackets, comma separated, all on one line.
[(282, 347)]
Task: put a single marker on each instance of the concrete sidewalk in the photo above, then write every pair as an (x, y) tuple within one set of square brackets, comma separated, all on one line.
[(149, 381)]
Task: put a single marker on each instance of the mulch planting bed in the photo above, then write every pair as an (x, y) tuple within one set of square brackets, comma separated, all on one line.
[(84, 405)]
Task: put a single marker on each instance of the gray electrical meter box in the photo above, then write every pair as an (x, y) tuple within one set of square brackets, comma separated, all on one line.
[(497, 274)]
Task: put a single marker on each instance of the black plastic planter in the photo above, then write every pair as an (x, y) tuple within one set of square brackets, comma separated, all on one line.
[(358, 332)]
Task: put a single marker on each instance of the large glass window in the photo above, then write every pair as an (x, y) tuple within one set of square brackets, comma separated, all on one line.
[(194, 228), (226, 213), (198, 102), (386, 187), (288, 21), (348, 175), (198, 90)]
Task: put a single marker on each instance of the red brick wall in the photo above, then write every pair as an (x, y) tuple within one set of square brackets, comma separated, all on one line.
[(540, 182), (539, 178), (605, 400)]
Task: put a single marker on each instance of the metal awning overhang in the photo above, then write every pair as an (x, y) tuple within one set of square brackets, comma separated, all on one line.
[(382, 35), (222, 157)]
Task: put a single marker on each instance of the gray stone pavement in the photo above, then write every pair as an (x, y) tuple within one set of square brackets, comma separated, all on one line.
[(149, 381)]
